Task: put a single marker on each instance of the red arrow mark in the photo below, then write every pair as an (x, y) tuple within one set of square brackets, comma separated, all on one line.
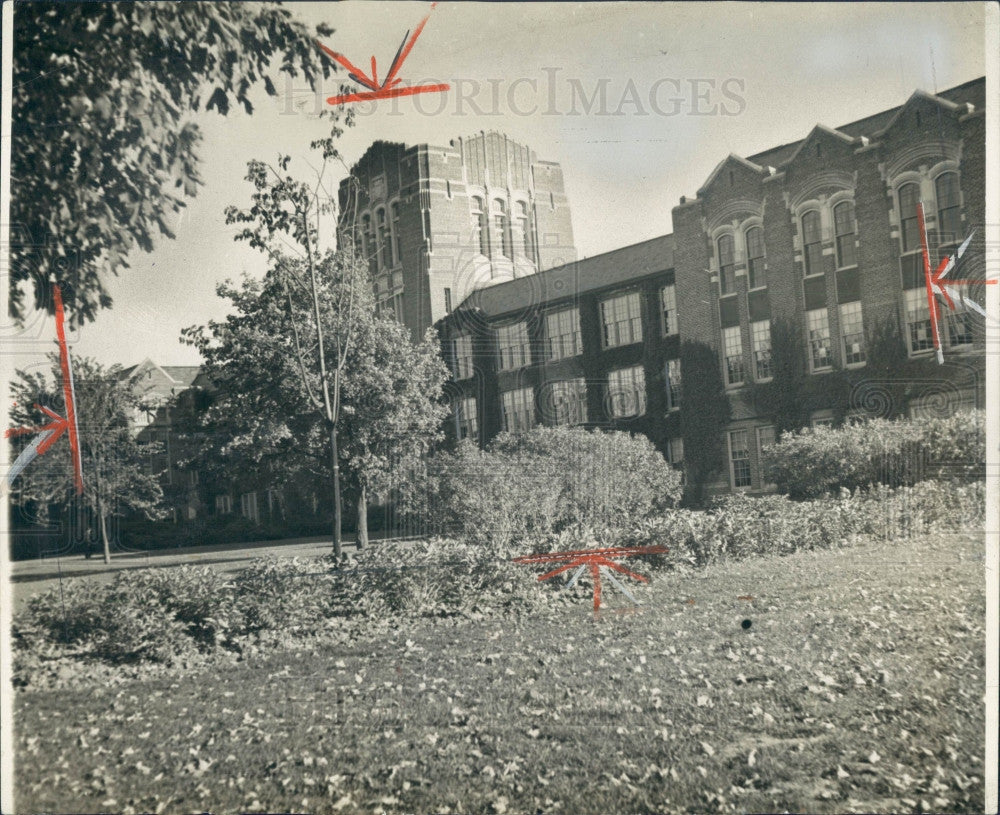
[(935, 282), (387, 89)]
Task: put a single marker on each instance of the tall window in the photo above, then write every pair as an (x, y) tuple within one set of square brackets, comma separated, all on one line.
[(818, 324), (466, 420), (739, 458), (248, 506), (673, 375), (567, 401), (368, 247), (501, 227), (463, 357), (223, 504), (845, 228), (852, 333), (425, 220), (396, 305), (909, 197), (382, 238), (765, 438), (518, 410), (480, 226), (447, 300), (727, 264), (397, 255), (562, 333), (755, 258), (949, 208), (918, 320), (621, 318), (958, 322), (524, 227), (668, 309), (761, 333), (812, 242), (732, 347), (627, 392), (512, 342)]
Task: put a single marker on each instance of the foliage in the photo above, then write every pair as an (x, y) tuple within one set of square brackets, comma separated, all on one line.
[(705, 412), (739, 526), (526, 487), (782, 397), (116, 474), (821, 460), (859, 686), (104, 149)]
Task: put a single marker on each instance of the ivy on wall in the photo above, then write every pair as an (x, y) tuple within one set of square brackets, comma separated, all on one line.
[(705, 412)]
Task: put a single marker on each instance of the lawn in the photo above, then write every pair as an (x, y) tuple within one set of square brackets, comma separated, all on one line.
[(858, 686)]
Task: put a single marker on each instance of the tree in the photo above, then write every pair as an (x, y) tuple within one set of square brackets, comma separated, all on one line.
[(785, 398), (283, 222), (705, 412), (268, 420), (103, 148), (116, 475)]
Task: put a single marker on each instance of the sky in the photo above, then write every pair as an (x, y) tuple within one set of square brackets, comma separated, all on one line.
[(685, 85)]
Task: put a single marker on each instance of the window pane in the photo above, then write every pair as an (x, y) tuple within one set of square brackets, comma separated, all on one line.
[(852, 333), (622, 320), (727, 264), (668, 308), (732, 343), (843, 218), (567, 402), (562, 332), (818, 322), (918, 321), (673, 376), (739, 456), (755, 257), (761, 331), (812, 243), (909, 197), (627, 392), (518, 410), (512, 343), (949, 207)]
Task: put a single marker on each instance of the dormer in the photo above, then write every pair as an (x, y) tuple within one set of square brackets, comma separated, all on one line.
[(925, 114), (823, 145), (734, 173)]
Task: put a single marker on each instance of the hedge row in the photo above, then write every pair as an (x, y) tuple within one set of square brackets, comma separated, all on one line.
[(820, 461)]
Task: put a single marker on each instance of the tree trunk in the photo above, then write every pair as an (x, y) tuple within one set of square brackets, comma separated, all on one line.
[(337, 546), (362, 518), (104, 538)]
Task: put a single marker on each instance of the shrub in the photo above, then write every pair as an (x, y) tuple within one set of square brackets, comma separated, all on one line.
[(821, 461), (529, 486)]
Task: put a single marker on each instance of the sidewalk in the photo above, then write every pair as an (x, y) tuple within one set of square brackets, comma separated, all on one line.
[(76, 565)]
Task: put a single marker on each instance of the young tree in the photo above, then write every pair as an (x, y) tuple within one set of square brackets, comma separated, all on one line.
[(269, 416), (116, 474), (103, 146), (705, 412)]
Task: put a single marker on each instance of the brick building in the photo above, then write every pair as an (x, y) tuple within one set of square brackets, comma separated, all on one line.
[(818, 237), (437, 222)]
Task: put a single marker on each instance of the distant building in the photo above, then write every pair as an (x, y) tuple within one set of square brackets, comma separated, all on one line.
[(438, 222), (820, 234)]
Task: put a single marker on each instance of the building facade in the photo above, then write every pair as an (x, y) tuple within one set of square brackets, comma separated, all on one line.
[(435, 223), (816, 242)]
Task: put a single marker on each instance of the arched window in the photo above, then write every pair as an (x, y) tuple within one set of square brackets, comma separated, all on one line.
[(368, 248), (524, 226), (502, 227), (812, 242), (382, 238), (949, 208), (909, 197), (755, 257), (727, 264), (844, 226), (481, 236), (397, 255)]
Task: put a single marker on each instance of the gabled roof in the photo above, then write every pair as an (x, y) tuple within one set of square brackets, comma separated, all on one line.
[(819, 131), (916, 96), (182, 374), (589, 274), (732, 157), (972, 92)]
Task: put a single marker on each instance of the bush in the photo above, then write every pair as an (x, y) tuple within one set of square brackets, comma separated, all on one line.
[(740, 526), (529, 486), (820, 461)]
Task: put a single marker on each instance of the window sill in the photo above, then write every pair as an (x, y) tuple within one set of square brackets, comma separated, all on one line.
[(847, 268), (765, 380), (757, 288), (825, 370), (814, 274), (853, 366)]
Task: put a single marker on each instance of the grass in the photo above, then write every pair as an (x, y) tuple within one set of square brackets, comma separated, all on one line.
[(857, 687)]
